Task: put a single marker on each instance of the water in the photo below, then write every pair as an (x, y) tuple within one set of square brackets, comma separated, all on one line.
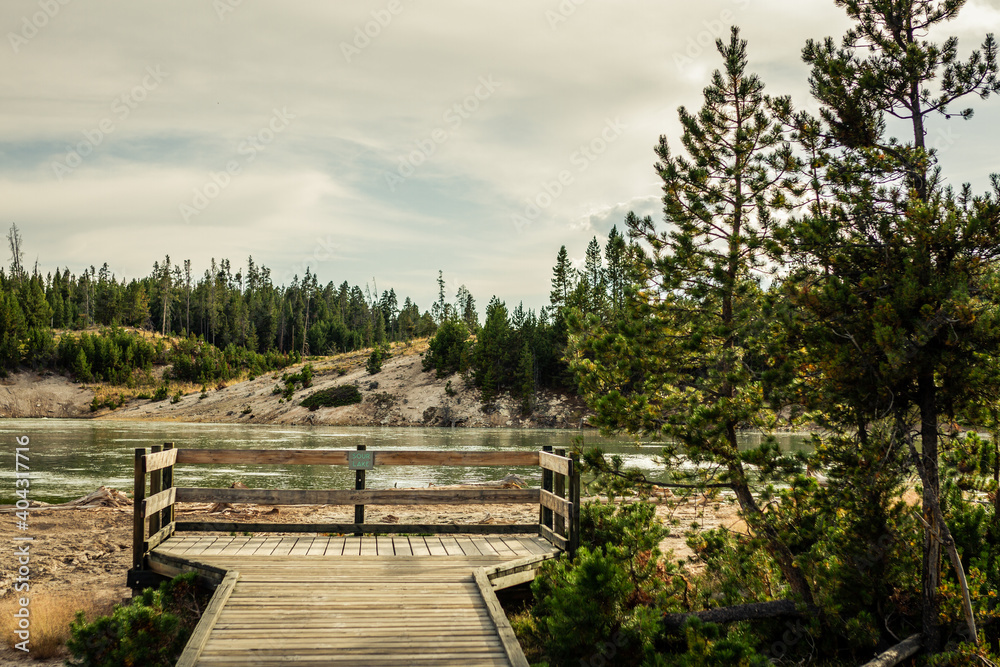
[(70, 458)]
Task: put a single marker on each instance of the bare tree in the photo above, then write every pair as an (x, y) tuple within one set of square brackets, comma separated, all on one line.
[(16, 252)]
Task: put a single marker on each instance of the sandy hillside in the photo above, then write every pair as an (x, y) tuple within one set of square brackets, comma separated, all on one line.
[(33, 395), (402, 394)]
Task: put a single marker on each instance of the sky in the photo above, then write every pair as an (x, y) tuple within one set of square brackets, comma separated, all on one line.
[(377, 142)]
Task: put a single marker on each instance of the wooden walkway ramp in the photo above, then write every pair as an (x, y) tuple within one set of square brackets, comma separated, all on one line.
[(417, 601)]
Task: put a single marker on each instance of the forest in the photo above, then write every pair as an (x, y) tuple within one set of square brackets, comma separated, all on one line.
[(811, 272)]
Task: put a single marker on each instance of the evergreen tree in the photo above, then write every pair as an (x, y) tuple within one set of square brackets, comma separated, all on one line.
[(676, 364), (562, 281), (616, 253), (492, 351), (594, 278), (889, 290)]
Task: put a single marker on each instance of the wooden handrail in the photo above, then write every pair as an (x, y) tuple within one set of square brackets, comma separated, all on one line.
[(365, 497), (558, 498), (160, 460), (338, 457)]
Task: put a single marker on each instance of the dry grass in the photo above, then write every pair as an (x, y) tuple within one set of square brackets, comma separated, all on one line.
[(50, 614)]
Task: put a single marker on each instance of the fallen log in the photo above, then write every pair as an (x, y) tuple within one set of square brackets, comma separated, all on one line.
[(907, 648), (742, 612)]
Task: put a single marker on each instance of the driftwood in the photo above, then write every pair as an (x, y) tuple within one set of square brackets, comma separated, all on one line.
[(102, 497), (509, 482), (741, 612), (221, 507), (898, 653)]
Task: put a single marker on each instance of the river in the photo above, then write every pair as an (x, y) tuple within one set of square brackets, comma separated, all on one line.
[(70, 458)]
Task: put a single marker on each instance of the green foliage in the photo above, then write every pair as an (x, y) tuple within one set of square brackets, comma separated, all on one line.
[(161, 393), (605, 603), (585, 605), (115, 356), (448, 350), (708, 645), (333, 397), (151, 631), (375, 360), (197, 361)]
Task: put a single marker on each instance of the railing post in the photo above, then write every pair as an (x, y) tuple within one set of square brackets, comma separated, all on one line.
[(574, 497), (167, 482), (545, 516), (155, 486), (560, 484), (359, 485), (138, 520)]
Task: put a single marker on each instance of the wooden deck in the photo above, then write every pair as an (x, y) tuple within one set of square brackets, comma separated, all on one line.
[(373, 600), (374, 594)]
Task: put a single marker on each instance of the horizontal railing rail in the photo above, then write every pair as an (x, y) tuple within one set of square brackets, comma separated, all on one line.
[(156, 495)]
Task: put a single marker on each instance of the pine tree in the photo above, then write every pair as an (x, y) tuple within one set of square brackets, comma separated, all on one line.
[(491, 353), (675, 365), (616, 254), (891, 264), (594, 277), (562, 280)]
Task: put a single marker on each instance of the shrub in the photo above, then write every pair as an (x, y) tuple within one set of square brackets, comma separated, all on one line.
[(606, 603), (376, 359), (161, 393), (333, 397), (151, 631)]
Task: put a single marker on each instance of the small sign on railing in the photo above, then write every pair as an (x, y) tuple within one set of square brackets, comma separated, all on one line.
[(360, 460)]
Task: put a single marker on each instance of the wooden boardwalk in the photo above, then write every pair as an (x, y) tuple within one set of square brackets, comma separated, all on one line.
[(388, 594), (350, 600)]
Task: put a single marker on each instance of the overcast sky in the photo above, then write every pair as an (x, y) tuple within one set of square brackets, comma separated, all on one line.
[(378, 140)]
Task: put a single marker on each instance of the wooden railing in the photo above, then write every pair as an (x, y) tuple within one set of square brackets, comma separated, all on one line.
[(558, 498)]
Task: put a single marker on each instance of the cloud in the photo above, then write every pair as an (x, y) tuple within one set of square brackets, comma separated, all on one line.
[(318, 193)]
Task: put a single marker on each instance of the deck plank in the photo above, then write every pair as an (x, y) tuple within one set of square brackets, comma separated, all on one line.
[(324, 600)]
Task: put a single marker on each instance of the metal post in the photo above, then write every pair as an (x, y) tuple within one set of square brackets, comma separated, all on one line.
[(359, 485)]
